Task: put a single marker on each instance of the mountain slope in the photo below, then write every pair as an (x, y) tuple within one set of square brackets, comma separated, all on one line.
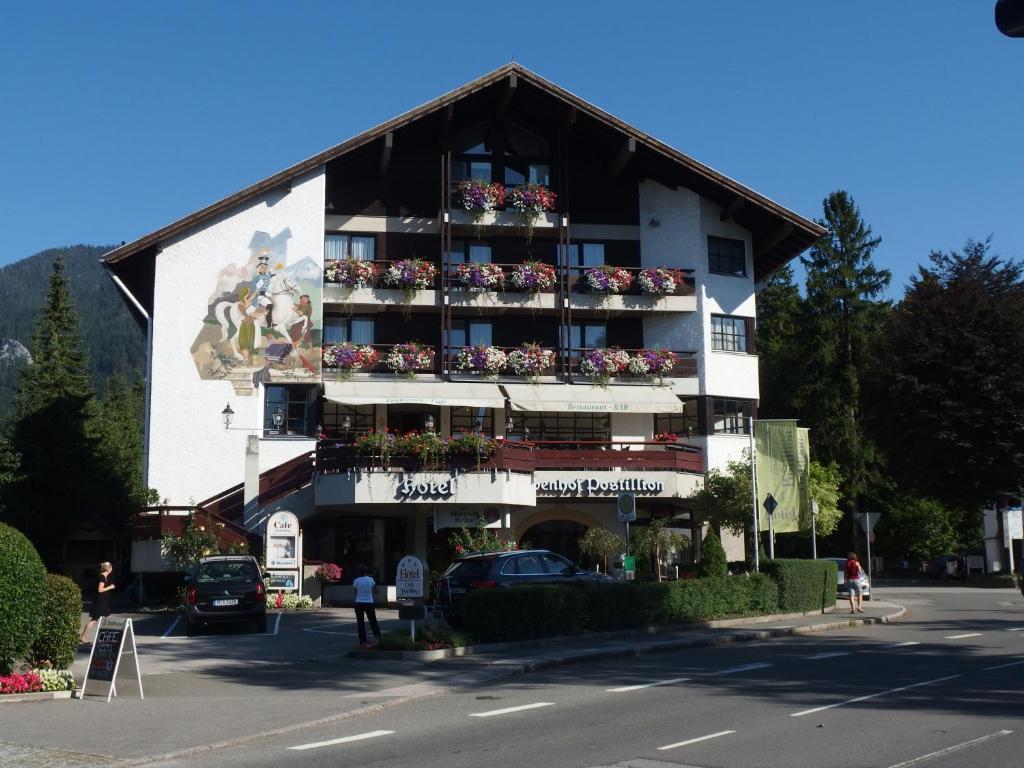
[(111, 338)]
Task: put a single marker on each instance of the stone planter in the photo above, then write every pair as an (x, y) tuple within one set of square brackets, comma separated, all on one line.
[(14, 698)]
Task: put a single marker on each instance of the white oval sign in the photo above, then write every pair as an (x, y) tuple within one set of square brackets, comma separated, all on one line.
[(409, 578)]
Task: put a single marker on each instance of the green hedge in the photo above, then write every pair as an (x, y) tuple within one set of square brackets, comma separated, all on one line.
[(804, 585), (712, 557), (526, 613), (22, 594), (62, 618)]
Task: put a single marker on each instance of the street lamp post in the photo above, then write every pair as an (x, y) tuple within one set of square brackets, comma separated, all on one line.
[(228, 415), (753, 492)]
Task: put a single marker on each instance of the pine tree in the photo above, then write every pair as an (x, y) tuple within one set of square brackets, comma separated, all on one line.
[(118, 426), (779, 307), (842, 315)]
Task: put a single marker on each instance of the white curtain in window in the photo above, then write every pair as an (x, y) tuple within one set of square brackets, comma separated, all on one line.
[(593, 255), (362, 248), (335, 247), (335, 330), (480, 253), (480, 333), (362, 330)]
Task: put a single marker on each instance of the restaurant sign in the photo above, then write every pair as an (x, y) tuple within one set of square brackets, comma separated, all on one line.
[(599, 486)]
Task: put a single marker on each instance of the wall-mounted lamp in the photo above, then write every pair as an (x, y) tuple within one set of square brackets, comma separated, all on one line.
[(278, 417), (428, 423), (227, 414), (346, 423)]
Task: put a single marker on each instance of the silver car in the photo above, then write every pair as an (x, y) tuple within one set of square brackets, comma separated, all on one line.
[(841, 590)]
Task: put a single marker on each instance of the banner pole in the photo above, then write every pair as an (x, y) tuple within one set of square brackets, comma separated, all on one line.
[(753, 492)]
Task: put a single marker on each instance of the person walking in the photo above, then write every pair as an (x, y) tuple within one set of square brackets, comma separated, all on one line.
[(101, 605), (365, 586), (854, 573)]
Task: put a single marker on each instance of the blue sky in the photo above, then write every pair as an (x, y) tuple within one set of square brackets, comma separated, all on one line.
[(118, 118)]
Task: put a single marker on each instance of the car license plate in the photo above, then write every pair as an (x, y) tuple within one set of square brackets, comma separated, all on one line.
[(222, 603), (458, 590)]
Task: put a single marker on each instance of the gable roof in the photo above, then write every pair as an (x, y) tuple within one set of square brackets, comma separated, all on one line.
[(779, 233)]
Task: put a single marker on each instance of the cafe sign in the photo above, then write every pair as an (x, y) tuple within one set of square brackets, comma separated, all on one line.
[(599, 486)]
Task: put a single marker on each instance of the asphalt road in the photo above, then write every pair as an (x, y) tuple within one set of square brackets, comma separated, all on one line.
[(944, 687)]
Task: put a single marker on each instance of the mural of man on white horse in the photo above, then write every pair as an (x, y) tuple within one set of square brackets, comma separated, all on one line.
[(264, 314)]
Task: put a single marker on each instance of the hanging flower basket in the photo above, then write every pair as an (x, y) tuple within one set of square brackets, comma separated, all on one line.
[(482, 358), (479, 197), (532, 201), (532, 277), (656, 362), (480, 275), (659, 281), (410, 274), (607, 279), (602, 364), (406, 359), (352, 273), (347, 358), (530, 360)]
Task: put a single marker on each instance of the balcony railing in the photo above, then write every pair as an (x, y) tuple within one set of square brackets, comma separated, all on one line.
[(684, 367), (382, 267), (578, 282), (380, 366), (452, 280), (452, 364), (523, 456)]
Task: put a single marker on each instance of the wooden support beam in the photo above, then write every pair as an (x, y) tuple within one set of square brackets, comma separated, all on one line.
[(622, 158), (732, 209), (385, 152), (506, 96), (780, 234), (444, 135)]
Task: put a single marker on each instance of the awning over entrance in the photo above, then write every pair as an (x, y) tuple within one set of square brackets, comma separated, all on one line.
[(579, 398), (422, 393)]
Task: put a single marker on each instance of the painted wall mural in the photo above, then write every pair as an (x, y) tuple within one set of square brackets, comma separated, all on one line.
[(265, 319)]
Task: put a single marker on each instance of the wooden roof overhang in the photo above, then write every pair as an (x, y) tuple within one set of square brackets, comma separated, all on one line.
[(778, 233)]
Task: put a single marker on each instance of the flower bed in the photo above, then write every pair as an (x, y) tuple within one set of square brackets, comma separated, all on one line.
[(410, 274), (482, 358), (602, 364), (288, 601), (353, 273), (348, 357), (37, 681), (652, 362), (530, 360), (406, 359), (532, 277), (659, 281), (480, 275), (607, 279)]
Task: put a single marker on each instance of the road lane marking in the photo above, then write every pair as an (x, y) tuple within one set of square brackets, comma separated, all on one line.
[(626, 688), (1007, 603), (961, 637), (509, 710), (342, 740), (694, 741), (1015, 629), (950, 750), (323, 629), (743, 668), (1004, 666), (171, 628), (277, 623), (872, 696), (827, 655), (902, 645)]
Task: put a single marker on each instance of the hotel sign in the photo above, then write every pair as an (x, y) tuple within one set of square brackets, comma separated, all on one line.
[(410, 488), (589, 485)]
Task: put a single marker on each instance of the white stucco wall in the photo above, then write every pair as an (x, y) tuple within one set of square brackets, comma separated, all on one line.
[(191, 455), (632, 426), (719, 450)]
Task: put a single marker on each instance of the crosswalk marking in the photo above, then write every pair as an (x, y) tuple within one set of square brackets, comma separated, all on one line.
[(625, 688), (872, 696)]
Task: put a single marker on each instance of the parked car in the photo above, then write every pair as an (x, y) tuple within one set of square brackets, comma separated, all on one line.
[(841, 590), (486, 570), (225, 588)]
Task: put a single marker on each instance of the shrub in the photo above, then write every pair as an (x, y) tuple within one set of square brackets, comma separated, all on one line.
[(712, 557), (22, 596), (523, 613), (804, 585), (62, 610)]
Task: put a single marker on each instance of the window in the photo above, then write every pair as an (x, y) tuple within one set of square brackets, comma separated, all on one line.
[(680, 424), (557, 565), (360, 419), (474, 164), (349, 246), (524, 565), (294, 406), (730, 417), (463, 252), (586, 254), (727, 256), (729, 334), (470, 332), (467, 419), (520, 172), (563, 427), (338, 330), (587, 336)]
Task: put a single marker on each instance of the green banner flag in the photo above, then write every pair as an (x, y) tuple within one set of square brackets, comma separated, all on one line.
[(779, 473)]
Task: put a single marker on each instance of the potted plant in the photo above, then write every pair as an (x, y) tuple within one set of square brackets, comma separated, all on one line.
[(347, 358), (607, 279), (480, 197), (428, 448), (483, 358), (410, 274), (377, 445), (531, 200), (406, 359), (532, 277), (659, 281), (352, 273), (530, 360), (602, 364), (329, 573), (480, 276), (657, 362)]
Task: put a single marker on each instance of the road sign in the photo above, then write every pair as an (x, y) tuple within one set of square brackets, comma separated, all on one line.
[(409, 578), (629, 568), (770, 504), (867, 520), (627, 507)]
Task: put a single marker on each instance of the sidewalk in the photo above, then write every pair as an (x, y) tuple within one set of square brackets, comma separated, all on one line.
[(207, 706)]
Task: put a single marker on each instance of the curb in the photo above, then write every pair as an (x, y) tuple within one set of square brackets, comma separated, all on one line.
[(15, 698), (529, 666)]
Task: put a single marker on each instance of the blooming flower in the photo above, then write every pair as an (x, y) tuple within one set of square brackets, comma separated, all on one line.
[(481, 196), (659, 281), (602, 364), (353, 273), (489, 360), (607, 279), (410, 274), (409, 358), (655, 361), (533, 277), (530, 360), (349, 357), (480, 275)]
